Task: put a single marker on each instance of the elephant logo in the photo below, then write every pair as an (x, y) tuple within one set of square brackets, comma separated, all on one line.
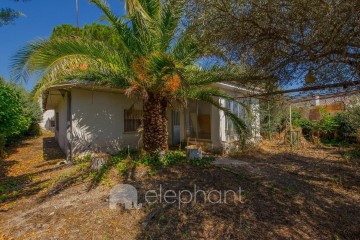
[(125, 194)]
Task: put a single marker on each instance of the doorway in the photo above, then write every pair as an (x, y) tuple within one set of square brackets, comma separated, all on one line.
[(175, 128)]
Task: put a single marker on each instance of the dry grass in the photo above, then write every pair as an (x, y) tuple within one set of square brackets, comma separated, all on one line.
[(309, 193)]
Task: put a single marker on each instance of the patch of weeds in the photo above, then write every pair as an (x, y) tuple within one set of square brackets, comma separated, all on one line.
[(8, 185), (3, 198), (83, 166), (100, 175), (335, 142), (84, 158), (30, 177), (123, 167), (45, 185), (351, 155), (205, 161), (151, 160), (126, 153), (245, 195), (173, 157)]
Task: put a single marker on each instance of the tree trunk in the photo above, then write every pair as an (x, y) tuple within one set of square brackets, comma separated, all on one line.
[(155, 124)]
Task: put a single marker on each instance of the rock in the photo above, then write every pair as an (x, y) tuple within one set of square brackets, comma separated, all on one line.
[(98, 160), (61, 163), (193, 152)]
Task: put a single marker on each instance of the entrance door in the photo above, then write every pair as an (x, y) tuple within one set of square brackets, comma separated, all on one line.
[(175, 128)]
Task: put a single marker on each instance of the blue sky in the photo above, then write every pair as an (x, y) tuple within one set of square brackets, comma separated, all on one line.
[(41, 17)]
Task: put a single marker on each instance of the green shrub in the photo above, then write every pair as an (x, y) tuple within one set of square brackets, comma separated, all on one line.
[(205, 161), (19, 114), (172, 157)]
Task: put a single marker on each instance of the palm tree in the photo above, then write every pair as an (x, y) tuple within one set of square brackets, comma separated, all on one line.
[(154, 59)]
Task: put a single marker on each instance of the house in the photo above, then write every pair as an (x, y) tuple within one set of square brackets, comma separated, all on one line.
[(48, 120), (89, 117), (333, 103)]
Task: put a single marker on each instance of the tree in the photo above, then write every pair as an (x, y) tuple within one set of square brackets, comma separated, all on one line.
[(94, 31), (8, 15), (296, 39), (154, 60)]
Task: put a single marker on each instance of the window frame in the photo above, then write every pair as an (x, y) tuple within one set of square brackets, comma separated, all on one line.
[(132, 125)]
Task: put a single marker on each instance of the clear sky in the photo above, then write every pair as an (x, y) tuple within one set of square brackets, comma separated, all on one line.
[(41, 17)]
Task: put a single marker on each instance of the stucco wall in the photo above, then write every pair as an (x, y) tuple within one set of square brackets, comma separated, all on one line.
[(46, 118), (61, 134), (252, 119), (98, 121)]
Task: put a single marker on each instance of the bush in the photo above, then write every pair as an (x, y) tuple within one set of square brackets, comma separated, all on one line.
[(172, 157), (19, 113)]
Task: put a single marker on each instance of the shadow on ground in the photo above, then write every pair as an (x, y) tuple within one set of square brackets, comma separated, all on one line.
[(28, 168), (312, 194), (293, 196)]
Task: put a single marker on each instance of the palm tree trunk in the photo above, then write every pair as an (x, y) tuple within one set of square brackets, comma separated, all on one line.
[(155, 124)]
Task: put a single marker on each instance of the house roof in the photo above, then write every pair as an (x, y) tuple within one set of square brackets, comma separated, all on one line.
[(53, 94)]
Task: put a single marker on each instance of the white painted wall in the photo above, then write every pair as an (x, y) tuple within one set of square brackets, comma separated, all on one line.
[(48, 116), (61, 134), (98, 121)]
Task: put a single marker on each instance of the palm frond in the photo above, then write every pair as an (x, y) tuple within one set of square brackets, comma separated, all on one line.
[(43, 55), (137, 7), (169, 22), (186, 49), (152, 8), (129, 41), (19, 67), (215, 74)]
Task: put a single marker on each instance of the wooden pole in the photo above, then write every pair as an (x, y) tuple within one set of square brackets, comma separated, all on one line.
[(77, 14), (290, 131), (305, 89), (269, 121)]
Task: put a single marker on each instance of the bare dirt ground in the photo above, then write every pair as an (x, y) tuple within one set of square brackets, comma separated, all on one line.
[(286, 194)]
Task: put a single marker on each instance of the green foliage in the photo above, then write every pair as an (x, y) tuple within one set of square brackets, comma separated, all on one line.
[(299, 121), (8, 15), (349, 120), (169, 158), (205, 161), (18, 113), (253, 31), (327, 124), (100, 175), (173, 157), (13, 122), (94, 31), (333, 130)]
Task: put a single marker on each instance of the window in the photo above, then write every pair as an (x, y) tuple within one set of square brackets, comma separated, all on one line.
[(240, 112), (57, 121), (199, 120), (132, 120), (52, 123)]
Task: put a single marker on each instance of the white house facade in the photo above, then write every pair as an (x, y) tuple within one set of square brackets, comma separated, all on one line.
[(89, 117)]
